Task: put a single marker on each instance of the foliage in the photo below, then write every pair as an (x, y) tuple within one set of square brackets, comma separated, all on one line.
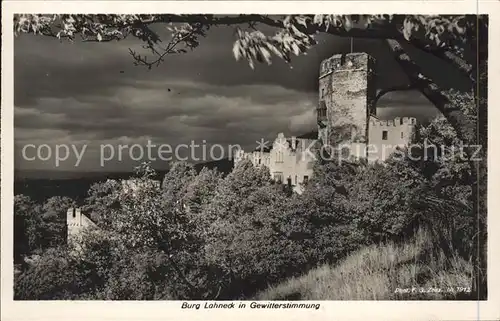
[(202, 236), (53, 276), (449, 174), (249, 235), (101, 198), (143, 275), (206, 236), (28, 231), (54, 221), (295, 36)]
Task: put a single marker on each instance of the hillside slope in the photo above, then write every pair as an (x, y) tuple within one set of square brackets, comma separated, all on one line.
[(383, 272)]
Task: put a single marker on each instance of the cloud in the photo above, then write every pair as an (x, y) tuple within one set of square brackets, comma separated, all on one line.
[(90, 93), (194, 112)]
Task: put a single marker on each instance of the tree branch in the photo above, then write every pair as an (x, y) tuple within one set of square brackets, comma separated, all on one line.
[(382, 92), (105, 28), (464, 127)]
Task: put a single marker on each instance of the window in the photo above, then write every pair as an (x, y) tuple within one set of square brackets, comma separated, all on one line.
[(260, 161), (278, 177), (402, 135), (306, 179), (279, 157), (295, 179), (322, 92), (74, 213), (321, 110), (289, 181), (384, 135)]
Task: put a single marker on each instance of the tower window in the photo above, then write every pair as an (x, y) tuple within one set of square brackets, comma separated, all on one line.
[(306, 179), (74, 213), (322, 92), (384, 135), (402, 135), (278, 177)]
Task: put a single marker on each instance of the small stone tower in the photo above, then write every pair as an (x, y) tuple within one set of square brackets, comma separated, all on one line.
[(346, 95), (77, 222)]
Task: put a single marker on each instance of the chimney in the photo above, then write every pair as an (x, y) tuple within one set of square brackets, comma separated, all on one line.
[(294, 142)]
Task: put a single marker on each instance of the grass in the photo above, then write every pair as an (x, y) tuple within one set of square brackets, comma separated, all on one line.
[(376, 272)]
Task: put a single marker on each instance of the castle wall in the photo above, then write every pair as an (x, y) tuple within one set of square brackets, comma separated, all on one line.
[(347, 123), (387, 135), (347, 91), (290, 161), (258, 158), (77, 222)]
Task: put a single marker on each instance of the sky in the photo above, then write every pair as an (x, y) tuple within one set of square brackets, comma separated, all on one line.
[(91, 94)]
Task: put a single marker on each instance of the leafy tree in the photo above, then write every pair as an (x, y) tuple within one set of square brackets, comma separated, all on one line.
[(147, 217), (249, 232), (326, 205), (459, 41), (176, 181), (450, 179), (101, 198), (201, 190), (28, 230), (144, 275), (53, 276)]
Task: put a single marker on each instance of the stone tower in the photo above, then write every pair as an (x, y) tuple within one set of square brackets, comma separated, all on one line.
[(346, 95)]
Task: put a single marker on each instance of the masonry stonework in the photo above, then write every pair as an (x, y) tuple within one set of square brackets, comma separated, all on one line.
[(387, 135), (76, 222), (346, 96)]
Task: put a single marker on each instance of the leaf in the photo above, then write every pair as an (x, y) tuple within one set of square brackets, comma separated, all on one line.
[(347, 23), (237, 50), (318, 19)]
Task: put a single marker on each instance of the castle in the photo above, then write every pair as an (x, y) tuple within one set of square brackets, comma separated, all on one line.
[(76, 221), (347, 124), (346, 120)]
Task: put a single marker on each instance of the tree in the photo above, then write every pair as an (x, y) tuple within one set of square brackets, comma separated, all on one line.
[(249, 233), (102, 198), (53, 276), (450, 176), (460, 41), (28, 230)]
